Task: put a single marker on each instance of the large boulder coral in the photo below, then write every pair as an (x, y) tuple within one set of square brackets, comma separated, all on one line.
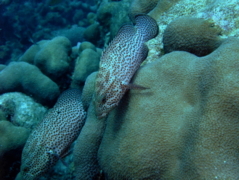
[(27, 78), (185, 126)]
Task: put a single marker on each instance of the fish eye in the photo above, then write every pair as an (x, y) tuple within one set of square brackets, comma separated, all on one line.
[(103, 100), (26, 169)]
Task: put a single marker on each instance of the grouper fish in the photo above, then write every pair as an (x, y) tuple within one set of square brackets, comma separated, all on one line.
[(51, 139), (119, 62)]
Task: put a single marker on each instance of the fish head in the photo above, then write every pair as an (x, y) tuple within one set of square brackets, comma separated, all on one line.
[(107, 97), (36, 163)]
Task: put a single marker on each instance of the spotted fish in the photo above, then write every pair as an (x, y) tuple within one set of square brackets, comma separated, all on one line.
[(119, 62), (51, 139)]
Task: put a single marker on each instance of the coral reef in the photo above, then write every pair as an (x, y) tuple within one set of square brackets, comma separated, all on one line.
[(86, 45), (74, 34), (184, 127), (195, 35), (24, 77), (86, 63), (18, 115), (139, 7), (111, 16), (87, 145), (51, 56), (88, 90), (12, 137), (2, 66), (223, 14), (12, 140), (37, 20), (92, 33), (163, 6), (21, 109)]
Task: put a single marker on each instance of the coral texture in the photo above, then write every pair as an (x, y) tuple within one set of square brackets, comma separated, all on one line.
[(12, 140), (87, 145), (120, 61), (11, 137), (51, 139), (19, 113), (86, 45), (86, 63), (27, 78), (92, 33), (112, 15), (21, 109), (154, 8), (184, 127), (161, 7), (141, 6), (51, 56), (194, 35), (88, 90)]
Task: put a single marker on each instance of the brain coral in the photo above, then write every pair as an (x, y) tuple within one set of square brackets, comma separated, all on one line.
[(194, 35), (185, 126)]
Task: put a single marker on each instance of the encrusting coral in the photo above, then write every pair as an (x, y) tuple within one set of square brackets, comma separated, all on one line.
[(194, 35), (51, 139)]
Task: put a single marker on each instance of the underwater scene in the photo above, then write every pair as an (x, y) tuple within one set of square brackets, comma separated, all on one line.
[(119, 90)]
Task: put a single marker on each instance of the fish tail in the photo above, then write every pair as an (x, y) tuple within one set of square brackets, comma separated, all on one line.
[(147, 26)]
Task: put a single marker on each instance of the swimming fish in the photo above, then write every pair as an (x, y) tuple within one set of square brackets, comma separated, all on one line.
[(51, 139), (119, 62)]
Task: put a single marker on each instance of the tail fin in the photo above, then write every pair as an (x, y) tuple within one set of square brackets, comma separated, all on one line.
[(146, 26)]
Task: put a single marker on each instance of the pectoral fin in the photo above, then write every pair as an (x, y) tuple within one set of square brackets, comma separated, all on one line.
[(136, 86)]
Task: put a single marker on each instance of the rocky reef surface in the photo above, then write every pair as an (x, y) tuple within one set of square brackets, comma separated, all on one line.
[(184, 125)]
